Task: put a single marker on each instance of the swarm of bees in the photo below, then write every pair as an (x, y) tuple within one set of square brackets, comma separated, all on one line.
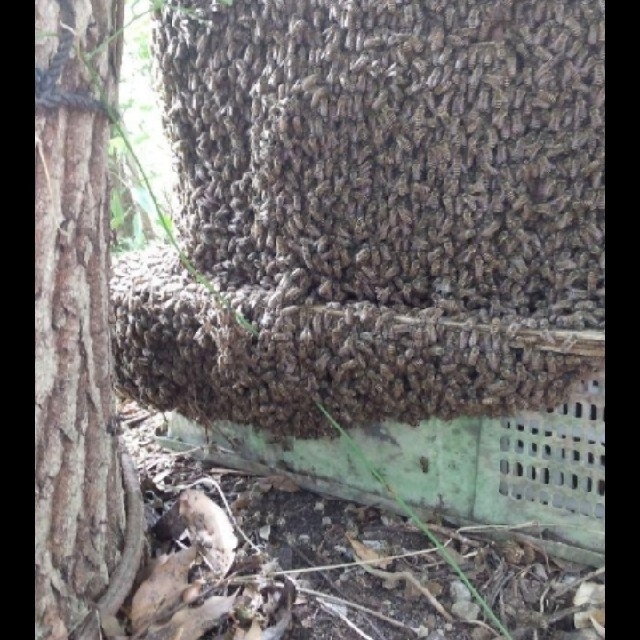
[(389, 191)]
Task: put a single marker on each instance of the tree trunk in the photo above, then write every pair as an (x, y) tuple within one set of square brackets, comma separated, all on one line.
[(82, 525)]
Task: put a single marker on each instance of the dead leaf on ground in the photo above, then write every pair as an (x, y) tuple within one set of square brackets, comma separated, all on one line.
[(209, 528), (191, 623), (279, 483), (253, 633), (163, 589), (367, 554), (242, 502)]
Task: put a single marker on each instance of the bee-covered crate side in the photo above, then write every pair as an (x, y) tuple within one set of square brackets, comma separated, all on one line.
[(395, 195), (548, 468)]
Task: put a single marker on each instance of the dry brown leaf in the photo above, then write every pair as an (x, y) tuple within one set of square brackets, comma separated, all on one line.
[(242, 502), (253, 633), (209, 528), (192, 623), (162, 589), (192, 592), (367, 554), (282, 483)]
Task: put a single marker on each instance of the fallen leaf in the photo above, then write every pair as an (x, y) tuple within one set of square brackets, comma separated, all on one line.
[(367, 554), (192, 592), (192, 622), (589, 593), (162, 589), (241, 503), (209, 528), (282, 483), (512, 552)]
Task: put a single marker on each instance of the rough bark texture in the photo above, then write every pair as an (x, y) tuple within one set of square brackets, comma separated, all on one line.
[(79, 505)]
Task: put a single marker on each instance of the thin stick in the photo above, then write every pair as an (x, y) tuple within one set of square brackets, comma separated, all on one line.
[(45, 168), (332, 584), (359, 607), (185, 452), (350, 565), (331, 608), (409, 577)]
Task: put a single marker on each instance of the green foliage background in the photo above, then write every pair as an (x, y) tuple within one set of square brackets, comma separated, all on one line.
[(134, 220)]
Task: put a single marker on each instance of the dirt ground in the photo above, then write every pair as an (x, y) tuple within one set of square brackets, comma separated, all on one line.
[(416, 595)]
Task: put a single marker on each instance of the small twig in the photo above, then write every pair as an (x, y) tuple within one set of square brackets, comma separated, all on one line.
[(409, 577), (533, 524), (544, 621), (452, 533), (332, 608), (185, 452), (332, 584), (45, 168), (123, 577), (351, 565), (359, 607), (484, 625)]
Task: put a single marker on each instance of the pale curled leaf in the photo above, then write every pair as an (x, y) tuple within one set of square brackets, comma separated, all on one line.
[(592, 594), (162, 589), (589, 593), (209, 528)]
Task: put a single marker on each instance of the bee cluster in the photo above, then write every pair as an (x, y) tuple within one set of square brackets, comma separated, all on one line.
[(392, 192)]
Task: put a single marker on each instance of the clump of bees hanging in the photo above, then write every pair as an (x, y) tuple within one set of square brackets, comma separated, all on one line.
[(406, 198)]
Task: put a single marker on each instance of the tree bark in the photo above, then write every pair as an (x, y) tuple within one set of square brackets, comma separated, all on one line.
[(80, 500)]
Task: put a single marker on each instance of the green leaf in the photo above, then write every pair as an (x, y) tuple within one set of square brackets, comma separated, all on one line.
[(117, 146), (117, 210), (143, 199), (166, 221)]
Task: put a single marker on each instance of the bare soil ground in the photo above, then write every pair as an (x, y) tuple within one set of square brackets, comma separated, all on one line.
[(416, 595)]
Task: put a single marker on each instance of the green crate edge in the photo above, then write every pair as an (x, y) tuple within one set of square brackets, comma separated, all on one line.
[(440, 468)]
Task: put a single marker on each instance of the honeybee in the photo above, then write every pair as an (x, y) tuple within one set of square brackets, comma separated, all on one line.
[(436, 38), (598, 74), (573, 25)]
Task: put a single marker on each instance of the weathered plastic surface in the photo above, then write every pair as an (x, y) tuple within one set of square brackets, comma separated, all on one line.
[(433, 465), (463, 470)]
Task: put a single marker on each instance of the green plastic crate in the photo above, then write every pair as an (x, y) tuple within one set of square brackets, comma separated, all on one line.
[(540, 473)]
